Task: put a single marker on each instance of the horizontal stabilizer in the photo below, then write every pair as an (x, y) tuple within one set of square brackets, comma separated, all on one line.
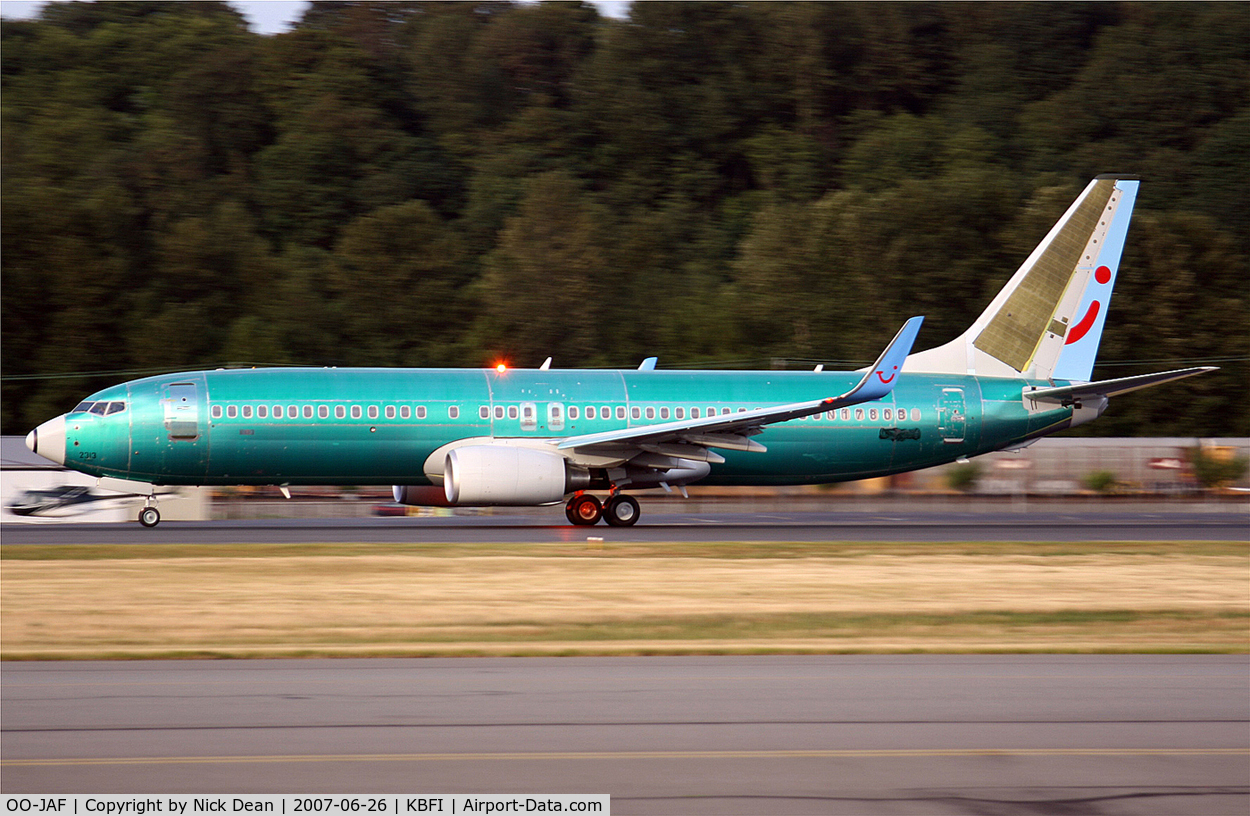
[(1070, 394)]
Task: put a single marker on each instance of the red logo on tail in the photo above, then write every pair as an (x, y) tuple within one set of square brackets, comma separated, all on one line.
[(1087, 323)]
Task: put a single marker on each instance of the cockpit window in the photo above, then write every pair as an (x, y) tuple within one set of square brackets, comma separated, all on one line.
[(100, 407)]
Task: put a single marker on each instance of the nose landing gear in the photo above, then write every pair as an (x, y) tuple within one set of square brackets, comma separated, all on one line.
[(619, 511), (149, 517)]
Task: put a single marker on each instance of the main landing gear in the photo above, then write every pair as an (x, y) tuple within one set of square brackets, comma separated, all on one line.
[(619, 511)]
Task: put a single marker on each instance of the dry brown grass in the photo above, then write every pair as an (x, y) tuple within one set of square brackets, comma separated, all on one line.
[(331, 600)]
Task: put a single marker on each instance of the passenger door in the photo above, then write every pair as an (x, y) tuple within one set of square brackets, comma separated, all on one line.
[(181, 402), (182, 440), (952, 415)]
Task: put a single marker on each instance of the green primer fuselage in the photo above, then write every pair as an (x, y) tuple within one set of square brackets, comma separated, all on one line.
[(207, 428)]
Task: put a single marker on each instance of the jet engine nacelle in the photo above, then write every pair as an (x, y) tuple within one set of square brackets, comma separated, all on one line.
[(508, 475)]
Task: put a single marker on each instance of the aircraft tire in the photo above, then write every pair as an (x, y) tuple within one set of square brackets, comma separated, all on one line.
[(622, 511), (149, 517), (583, 510)]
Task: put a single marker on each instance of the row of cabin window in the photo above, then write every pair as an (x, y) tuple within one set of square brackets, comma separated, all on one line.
[(886, 414), (511, 412), (593, 412), (321, 411)]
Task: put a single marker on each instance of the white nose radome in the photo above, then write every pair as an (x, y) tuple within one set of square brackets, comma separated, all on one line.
[(48, 440)]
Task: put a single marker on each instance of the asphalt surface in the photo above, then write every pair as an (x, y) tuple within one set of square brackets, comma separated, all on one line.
[(726, 735), (1048, 524)]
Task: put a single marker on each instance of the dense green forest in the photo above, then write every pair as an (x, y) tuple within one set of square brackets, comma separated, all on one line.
[(721, 184)]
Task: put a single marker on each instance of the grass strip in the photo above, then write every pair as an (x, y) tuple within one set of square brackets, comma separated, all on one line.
[(196, 600), (581, 549)]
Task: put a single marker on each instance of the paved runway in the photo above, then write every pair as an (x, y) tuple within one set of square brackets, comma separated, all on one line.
[(779, 734), (550, 527)]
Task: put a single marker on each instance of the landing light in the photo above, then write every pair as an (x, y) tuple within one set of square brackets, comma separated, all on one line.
[(501, 368)]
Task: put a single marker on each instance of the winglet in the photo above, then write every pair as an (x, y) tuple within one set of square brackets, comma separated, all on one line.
[(648, 364), (880, 379)]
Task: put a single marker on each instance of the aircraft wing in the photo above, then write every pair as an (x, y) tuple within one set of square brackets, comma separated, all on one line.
[(731, 431), (1069, 394)]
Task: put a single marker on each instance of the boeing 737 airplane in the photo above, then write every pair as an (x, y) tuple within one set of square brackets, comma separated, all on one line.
[(540, 436)]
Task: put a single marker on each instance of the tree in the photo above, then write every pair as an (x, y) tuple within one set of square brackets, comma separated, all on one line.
[(715, 183), (1180, 300), (542, 289), (398, 281), (340, 150)]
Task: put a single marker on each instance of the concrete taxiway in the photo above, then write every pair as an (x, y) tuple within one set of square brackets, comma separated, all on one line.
[(547, 525), (727, 735)]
